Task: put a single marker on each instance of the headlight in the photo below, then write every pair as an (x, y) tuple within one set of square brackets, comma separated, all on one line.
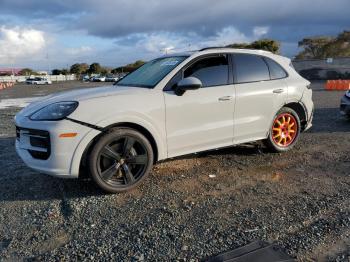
[(347, 94), (56, 111)]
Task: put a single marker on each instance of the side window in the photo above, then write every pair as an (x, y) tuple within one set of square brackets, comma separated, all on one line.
[(250, 68), (276, 71), (212, 71)]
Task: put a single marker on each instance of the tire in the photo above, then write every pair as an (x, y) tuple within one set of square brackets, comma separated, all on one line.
[(120, 160), (284, 134)]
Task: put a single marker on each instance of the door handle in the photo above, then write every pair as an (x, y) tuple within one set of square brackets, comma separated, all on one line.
[(225, 98), (278, 91)]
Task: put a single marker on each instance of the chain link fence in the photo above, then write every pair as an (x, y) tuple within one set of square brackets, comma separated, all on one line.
[(53, 78)]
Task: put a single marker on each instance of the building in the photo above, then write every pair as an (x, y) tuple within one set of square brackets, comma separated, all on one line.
[(10, 71)]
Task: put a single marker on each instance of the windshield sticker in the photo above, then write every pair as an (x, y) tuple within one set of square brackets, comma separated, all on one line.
[(169, 63)]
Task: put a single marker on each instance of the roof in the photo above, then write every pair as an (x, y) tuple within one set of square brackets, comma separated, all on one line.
[(10, 70)]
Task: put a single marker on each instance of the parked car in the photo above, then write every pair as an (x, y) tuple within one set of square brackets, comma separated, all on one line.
[(38, 81), (99, 79), (111, 79), (29, 80), (86, 78), (345, 104), (174, 105), (21, 80)]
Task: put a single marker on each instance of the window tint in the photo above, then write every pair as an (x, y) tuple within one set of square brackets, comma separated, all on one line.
[(250, 68), (212, 71), (276, 71)]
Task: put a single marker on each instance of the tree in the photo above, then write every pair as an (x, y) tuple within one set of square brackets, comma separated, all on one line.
[(263, 44), (95, 68), (27, 72), (106, 70), (56, 72), (267, 44), (339, 47), (65, 71), (325, 46), (129, 67), (79, 68), (313, 47), (240, 45), (138, 63)]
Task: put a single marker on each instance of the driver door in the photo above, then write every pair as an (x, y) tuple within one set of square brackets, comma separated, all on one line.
[(201, 119)]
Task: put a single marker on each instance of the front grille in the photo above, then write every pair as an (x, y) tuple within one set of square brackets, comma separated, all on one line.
[(38, 154), (39, 142), (42, 142)]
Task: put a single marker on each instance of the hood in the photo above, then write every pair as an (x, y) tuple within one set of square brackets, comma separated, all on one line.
[(80, 95)]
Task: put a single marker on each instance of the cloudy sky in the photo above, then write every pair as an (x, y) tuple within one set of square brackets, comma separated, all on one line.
[(56, 33)]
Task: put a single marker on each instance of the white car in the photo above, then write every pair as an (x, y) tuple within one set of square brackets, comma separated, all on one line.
[(111, 79), (99, 79), (171, 106), (38, 81)]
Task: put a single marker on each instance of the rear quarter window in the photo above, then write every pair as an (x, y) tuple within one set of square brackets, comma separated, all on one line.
[(276, 71)]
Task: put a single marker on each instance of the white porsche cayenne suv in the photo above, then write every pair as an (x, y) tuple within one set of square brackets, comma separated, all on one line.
[(173, 105)]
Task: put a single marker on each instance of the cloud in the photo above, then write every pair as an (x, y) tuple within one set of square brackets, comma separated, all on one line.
[(226, 36), (17, 43), (78, 50), (206, 18), (119, 18), (260, 31), (118, 31), (156, 43)]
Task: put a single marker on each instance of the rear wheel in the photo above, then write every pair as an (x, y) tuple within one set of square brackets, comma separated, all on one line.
[(284, 131), (120, 160)]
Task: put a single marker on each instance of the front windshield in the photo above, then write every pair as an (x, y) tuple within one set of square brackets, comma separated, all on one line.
[(151, 73)]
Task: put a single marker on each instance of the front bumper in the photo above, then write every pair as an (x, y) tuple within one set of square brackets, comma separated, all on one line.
[(345, 105), (55, 156)]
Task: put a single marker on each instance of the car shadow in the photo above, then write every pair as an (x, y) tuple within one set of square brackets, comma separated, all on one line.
[(248, 149), (18, 182)]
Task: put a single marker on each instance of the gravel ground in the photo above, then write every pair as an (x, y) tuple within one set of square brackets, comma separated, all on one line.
[(189, 208)]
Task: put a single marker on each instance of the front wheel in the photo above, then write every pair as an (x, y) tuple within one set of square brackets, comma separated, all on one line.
[(285, 130), (120, 160)]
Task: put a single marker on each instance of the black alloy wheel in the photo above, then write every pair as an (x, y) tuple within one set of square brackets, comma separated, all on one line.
[(120, 160)]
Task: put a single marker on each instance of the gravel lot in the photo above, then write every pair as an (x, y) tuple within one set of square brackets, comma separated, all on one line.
[(189, 208)]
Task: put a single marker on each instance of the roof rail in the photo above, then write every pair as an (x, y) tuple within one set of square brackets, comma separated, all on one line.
[(225, 47), (212, 47)]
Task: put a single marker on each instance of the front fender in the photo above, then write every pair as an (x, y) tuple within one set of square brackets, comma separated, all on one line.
[(136, 119), (156, 130)]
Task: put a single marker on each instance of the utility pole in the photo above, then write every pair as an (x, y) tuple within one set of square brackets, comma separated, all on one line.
[(48, 64)]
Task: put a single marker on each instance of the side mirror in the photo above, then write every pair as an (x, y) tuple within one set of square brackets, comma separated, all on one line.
[(189, 83)]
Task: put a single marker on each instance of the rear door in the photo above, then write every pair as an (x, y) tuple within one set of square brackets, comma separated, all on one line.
[(259, 95)]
